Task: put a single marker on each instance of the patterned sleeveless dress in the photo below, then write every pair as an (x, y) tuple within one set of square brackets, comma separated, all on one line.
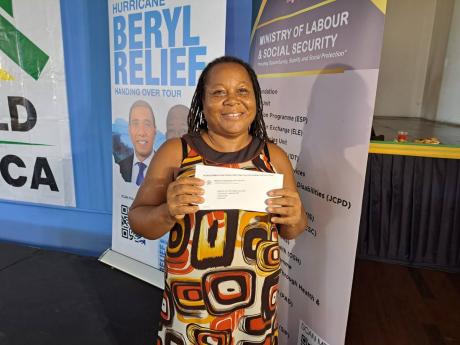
[(221, 266)]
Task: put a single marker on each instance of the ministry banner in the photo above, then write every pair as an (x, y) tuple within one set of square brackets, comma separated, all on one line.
[(318, 63), (35, 150), (158, 50)]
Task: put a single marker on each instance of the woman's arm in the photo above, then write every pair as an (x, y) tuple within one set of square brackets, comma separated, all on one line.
[(287, 207), (160, 200)]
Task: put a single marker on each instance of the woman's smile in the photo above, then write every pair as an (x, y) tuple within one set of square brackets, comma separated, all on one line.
[(233, 115)]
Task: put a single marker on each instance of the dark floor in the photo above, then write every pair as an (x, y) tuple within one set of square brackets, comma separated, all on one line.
[(49, 298), (417, 128), (393, 304)]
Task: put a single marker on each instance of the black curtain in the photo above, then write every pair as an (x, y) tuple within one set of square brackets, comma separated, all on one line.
[(411, 211)]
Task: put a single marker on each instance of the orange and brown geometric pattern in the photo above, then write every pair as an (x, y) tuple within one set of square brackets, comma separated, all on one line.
[(221, 273)]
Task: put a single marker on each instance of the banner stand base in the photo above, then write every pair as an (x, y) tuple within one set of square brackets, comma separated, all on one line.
[(133, 267)]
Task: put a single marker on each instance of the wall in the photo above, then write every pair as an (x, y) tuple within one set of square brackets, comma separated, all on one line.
[(436, 59), (413, 56), (449, 104), (405, 54)]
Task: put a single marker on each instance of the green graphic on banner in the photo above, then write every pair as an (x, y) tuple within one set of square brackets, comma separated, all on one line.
[(18, 47), (7, 5), (21, 143)]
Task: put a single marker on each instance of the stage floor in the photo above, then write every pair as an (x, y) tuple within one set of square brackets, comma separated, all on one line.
[(417, 128), (54, 298)]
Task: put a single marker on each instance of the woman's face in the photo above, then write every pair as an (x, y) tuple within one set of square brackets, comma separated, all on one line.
[(229, 103)]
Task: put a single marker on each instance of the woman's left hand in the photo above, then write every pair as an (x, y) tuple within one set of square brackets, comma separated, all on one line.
[(285, 205)]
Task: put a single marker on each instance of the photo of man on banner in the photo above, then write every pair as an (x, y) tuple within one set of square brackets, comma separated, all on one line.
[(176, 121), (142, 131)]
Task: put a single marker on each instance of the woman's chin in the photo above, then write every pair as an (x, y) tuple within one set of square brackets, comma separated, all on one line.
[(235, 127), (235, 132)]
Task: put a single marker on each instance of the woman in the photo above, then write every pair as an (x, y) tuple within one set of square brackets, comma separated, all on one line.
[(222, 266)]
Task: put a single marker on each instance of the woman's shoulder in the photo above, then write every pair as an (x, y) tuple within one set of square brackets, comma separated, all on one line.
[(170, 151), (278, 157), (171, 145), (275, 150)]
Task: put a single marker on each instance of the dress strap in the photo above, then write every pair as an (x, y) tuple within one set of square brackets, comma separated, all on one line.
[(266, 151), (184, 148)]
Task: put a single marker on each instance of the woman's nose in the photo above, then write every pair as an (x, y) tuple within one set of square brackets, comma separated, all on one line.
[(232, 99)]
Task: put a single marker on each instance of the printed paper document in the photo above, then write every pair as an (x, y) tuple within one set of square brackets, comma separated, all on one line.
[(227, 188)]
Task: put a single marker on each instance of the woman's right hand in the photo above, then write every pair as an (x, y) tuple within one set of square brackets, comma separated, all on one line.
[(183, 195)]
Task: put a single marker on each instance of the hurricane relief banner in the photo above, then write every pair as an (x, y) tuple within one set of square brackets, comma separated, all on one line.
[(318, 63), (158, 50), (35, 151)]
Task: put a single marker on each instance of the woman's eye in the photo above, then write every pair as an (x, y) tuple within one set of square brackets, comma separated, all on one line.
[(218, 93), (243, 91)]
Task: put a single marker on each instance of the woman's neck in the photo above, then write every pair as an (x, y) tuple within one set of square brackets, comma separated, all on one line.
[(226, 144)]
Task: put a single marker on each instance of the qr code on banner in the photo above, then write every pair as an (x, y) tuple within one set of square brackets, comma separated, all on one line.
[(126, 231)]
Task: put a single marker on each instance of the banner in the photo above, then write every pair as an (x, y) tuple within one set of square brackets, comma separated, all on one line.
[(35, 153), (158, 50), (317, 62)]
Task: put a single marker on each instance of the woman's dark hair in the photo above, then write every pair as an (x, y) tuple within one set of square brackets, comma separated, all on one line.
[(196, 120)]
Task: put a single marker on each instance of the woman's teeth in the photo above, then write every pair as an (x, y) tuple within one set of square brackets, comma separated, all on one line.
[(232, 115)]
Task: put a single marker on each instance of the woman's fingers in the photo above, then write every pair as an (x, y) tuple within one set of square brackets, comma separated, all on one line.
[(186, 190), (282, 211), (283, 197), (187, 185), (184, 199), (183, 195), (285, 205), (284, 220), (182, 210), (283, 192), (190, 180), (282, 201)]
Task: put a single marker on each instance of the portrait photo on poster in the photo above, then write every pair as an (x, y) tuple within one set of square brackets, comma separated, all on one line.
[(134, 141), (176, 121)]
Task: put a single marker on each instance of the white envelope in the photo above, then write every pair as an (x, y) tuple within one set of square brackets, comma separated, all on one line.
[(226, 188)]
